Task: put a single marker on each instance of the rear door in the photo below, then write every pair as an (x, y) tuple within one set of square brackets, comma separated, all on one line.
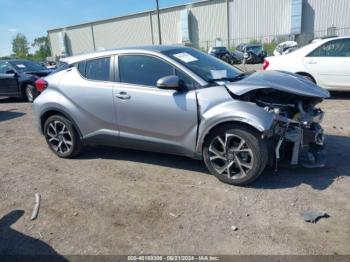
[(8, 80), (87, 92), (151, 118), (330, 64)]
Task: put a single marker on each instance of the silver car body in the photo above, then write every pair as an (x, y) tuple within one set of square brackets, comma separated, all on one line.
[(129, 115)]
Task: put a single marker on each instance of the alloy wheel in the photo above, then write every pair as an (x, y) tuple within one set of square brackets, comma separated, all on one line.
[(231, 156), (59, 137)]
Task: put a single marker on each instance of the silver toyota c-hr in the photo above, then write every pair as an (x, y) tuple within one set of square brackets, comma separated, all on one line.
[(179, 100)]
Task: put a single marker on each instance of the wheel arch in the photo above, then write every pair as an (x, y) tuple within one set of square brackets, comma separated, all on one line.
[(55, 111), (302, 73), (237, 122)]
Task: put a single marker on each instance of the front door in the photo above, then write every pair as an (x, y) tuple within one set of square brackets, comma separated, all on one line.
[(8, 81), (150, 118)]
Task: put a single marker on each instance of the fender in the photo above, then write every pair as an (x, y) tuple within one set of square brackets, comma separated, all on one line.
[(233, 111)]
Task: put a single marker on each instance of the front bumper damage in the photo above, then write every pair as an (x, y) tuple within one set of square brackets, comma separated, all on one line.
[(299, 143)]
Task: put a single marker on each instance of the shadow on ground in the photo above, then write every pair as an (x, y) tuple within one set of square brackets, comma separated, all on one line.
[(8, 115), (321, 178), (339, 95), (172, 161), (4, 100), (15, 243)]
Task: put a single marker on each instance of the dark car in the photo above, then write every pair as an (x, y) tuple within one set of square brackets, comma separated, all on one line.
[(17, 78), (222, 53), (253, 53)]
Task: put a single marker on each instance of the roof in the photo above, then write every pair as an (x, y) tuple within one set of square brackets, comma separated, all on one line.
[(136, 49), (17, 60)]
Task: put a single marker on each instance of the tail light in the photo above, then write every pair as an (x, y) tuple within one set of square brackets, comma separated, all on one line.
[(41, 85), (266, 64)]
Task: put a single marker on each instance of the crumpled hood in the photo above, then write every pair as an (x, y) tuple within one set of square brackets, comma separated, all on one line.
[(282, 81)]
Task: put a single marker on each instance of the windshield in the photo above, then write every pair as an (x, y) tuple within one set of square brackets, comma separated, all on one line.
[(206, 66), (219, 49), (255, 49), (26, 66)]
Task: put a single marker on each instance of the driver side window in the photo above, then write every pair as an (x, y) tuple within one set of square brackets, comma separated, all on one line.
[(146, 70), (4, 68), (142, 69)]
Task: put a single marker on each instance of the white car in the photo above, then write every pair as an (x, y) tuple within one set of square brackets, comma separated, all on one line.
[(325, 62)]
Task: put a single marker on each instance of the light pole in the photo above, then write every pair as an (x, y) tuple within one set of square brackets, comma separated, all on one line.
[(159, 32)]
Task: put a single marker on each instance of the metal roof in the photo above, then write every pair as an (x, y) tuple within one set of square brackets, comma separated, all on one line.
[(125, 16)]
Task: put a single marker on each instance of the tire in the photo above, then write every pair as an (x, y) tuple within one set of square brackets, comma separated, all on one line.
[(61, 137), (310, 78), (30, 93), (245, 145)]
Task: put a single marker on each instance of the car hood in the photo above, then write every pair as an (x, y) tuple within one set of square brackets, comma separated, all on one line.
[(278, 80)]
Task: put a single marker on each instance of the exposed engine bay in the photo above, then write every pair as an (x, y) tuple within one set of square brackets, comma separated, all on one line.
[(296, 137)]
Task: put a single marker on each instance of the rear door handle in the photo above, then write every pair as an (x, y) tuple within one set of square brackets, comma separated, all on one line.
[(123, 95), (311, 62)]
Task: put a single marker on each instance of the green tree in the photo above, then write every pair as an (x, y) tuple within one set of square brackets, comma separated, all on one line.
[(43, 48), (20, 46), (254, 41)]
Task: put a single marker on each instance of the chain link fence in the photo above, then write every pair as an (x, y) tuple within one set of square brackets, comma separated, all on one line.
[(270, 41)]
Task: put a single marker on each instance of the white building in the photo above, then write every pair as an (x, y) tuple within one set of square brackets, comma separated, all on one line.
[(205, 23)]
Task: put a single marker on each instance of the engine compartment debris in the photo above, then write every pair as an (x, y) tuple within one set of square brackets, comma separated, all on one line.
[(296, 137), (313, 217), (36, 207)]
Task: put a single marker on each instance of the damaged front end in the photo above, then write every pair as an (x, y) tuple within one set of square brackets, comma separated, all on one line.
[(296, 137)]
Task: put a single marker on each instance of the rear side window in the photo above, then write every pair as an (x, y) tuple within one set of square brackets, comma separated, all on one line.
[(335, 48), (142, 69), (97, 69)]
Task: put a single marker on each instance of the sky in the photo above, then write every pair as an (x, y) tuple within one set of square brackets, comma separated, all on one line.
[(34, 17)]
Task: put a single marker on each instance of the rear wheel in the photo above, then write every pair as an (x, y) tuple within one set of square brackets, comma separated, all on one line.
[(61, 137), (308, 77), (235, 154)]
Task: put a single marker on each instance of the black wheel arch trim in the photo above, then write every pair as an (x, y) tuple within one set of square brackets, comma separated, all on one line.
[(306, 74), (60, 112)]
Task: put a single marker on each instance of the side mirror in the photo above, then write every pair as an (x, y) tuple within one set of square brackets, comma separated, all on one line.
[(169, 82)]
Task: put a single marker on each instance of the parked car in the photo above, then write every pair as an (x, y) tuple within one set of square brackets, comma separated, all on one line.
[(179, 100), (225, 55), (325, 62), (17, 78), (285, 48), (253, 53)]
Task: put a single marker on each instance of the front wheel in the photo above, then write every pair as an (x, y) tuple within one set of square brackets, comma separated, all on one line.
[(235, 154), (61, 137), (30, 93)]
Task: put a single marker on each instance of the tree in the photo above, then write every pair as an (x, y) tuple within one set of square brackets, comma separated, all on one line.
[(43, 48), (20, 46)]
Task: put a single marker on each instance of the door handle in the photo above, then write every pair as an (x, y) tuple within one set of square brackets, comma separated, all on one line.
[(123, 95), (311, 62)]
